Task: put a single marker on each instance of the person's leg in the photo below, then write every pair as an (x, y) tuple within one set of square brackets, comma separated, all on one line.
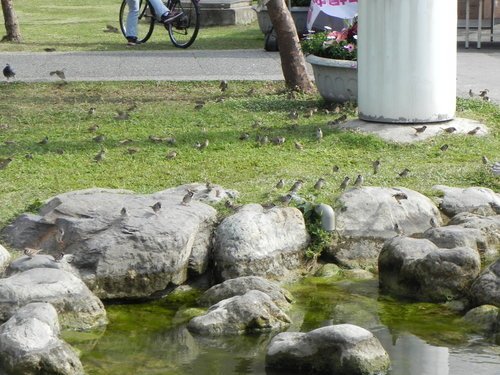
[(163, 13), (133, 15)]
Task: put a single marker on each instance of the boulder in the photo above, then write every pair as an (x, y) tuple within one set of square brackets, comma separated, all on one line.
[(78, 308), (207, 193), (121, 247), (418, 269), (483, 318), (488, 225), (242, 285), (475, 200), (30, 344), (252, 312), (452, 236), (25, 263), (4, 258), (366, 217), (260, 242), (339, 349), (486, 288)]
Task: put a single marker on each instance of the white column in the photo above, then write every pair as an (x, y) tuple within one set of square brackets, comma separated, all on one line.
[(407, 60)]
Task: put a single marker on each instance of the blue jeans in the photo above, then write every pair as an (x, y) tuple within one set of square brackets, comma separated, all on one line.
[(133, 14)]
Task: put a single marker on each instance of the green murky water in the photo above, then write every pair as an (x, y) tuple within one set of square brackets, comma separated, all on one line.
[(421, 338)]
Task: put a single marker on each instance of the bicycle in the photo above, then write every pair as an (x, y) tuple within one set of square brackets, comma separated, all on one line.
[(182, 31)]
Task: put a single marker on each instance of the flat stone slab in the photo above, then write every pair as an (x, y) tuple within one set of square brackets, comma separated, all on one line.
[(406, 133)]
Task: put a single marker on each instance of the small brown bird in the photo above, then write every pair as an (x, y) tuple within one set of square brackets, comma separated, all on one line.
[(319, 134), (123, 212), (156, 207), (359, 181), (44, 141), (30, 252), (335, 168), (495, 207), (170, 141), (264, 140), (286, 199), (59, 236), (58, 257), (471, 94), (450, 129), (187, 198), (376, 166), (397, 228), (293, 115), (297, 185), (121, 115), (111, 29), (298, 146), (100, 156), (485, 160), (244, 136), (420, 130), (320, 183), (433, 223), (400, 196), (91, 111), (204, 145), (125, 142), (444, 147), (99, 138), (132, 150), (93, 128), (28, 156), (223, 85), (155, 139), (199, 105), (483, 93), (280, 184), (474, 131), (171, 155), (344, 183), (59, 73), (278, 140), (59, 151), (5, 162), (404, 173)]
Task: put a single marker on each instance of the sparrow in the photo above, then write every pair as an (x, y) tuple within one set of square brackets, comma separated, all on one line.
[(268, 205), (485, 160), (171, 155), (471, 94), (280, 184), (319, 184), (155, 139), (450, 129), (404, 173), (99, 138), (293, 115), (278, 140), (420, 130), (121, 115), (209, 186), (310, 113), (433, 223), (100, 156), (223, 85), (59, 151), (230, 205), (91, 111), (28, 156), (125, 141), (123, 212), (474, 131), (483, 93), (298, 146), (187, 198), (204, 145), (296, 186), (93, 128), (59, 73), (44, 141), (486, 98), (265, 140), (359, 181), (244, 136), (199, 105), (8, 72), (170, 141), (156, 207), (132, 150), (444, 147), (286, 199), (30, 252), (495, 207), (376, 166), (5, 162), (335, 168), (397, 228), (59, 235), (319, 134), (399, 196), (344, 183), (58, 257), (111, 29)]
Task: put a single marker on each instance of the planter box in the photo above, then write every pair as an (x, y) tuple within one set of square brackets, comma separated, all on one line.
[(336, 80), (299, 15)]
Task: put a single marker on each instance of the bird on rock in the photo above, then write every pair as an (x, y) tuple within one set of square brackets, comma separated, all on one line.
[(344, 183), (156, 207), (187, 198), (30, 252)]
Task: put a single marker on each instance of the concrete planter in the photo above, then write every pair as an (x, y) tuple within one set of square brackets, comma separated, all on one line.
[(336, 80)]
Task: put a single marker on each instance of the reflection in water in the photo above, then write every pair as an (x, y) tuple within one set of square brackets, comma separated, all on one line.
[(421, 338)]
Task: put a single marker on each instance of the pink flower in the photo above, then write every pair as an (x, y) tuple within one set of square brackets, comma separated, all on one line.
[(349, 47)]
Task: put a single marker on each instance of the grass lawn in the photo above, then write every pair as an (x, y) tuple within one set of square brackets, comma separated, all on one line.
[(30, 112), (72, 25)]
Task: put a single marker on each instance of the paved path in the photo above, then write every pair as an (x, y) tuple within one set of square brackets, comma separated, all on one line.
[(477, 68)]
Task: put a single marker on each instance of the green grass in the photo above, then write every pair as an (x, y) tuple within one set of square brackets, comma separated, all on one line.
[(29, 112), (72, 25)]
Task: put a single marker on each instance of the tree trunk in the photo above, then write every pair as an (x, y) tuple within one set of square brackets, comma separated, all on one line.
[(293, 63), (11, 24)]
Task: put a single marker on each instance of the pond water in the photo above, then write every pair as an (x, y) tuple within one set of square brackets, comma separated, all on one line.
[(421, 338)]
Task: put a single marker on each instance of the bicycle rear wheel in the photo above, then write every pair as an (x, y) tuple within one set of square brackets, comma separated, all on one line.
[(184, 30), (145, 23)]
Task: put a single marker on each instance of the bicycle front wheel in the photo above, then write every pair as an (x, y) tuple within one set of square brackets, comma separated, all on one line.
[(145, 22), (184, 30)]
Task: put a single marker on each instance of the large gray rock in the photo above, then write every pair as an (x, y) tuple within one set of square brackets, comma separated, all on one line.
[(4, 258), (475, 200), (78, 308), (206, 193), (252, 312), (486, 288), (488, 225), (483, 318), (122, 255), (25, 263), (340, 349), (260, 242), (417, 268), (30, 344), (242, 285), (368, 216), (452, 236)]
